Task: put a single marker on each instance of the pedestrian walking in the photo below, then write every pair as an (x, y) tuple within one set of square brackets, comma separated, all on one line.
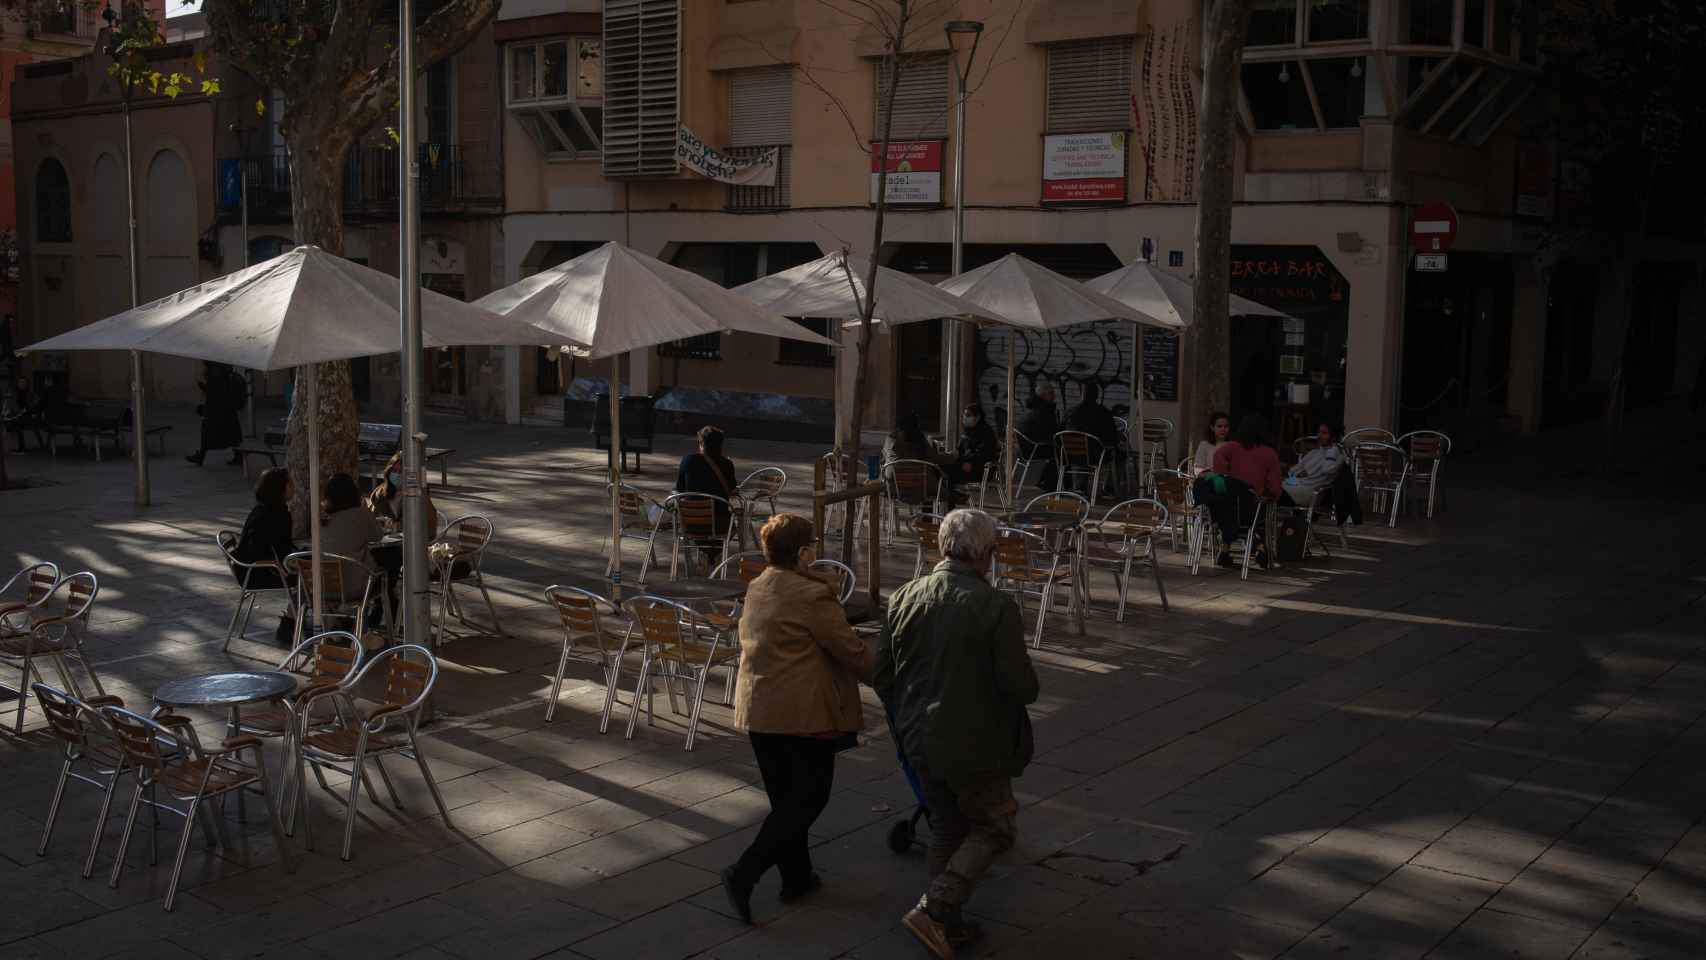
[(797, 697), (954, 673), (223, 394)]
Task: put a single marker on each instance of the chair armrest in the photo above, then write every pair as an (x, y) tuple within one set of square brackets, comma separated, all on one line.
[(317, 690), (107, 700), (234, 744), (381, 712), (173, 720)]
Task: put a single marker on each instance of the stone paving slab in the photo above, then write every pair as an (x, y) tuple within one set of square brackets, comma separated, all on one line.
[(1477, 736)]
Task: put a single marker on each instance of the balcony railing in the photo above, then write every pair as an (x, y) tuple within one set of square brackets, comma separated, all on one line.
[(71, 20), (451, 175)]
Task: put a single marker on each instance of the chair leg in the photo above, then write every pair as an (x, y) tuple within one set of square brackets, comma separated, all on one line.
[(183, 848), (391, 788), (639, 691), (100, 824), (1155, 569), (124, 838), (698, 704), (53, 808), (491, 608), (1123, 581), (273, 819), (557, 684), (426, 774), (354, 799), (231, 628), (23, 698)]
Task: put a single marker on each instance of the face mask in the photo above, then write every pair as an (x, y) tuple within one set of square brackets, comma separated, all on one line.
[(395, 479), (968, 421)]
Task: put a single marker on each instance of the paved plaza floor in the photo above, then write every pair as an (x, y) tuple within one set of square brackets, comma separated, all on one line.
[(1472, 737)]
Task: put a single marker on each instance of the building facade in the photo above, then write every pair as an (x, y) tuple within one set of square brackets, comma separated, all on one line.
[(558, 130)]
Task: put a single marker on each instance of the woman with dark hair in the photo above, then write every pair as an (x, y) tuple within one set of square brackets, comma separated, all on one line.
[(797, 697), (908, 441), (707, 471), (977, 447), (347, 529), (266, 539), (1218, 429), (223, 393), (1251, 470)]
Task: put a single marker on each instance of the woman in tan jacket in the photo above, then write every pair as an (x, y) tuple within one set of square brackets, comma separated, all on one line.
[(797, 696)]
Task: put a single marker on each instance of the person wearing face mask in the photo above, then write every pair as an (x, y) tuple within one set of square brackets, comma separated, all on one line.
[(386, 500), (797, 698), (977, 447)]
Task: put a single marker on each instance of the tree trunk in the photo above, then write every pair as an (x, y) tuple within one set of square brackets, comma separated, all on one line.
[(1207, 384), (317, 207), (862, 373)]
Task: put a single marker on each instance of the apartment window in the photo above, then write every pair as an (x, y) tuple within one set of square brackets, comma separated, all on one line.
[(642, 59), (1277, 97), (1281, 22), (440, 102), (799, 353), (555, 90), (53, 203), (1089, 85), (1341, 86), (921, 102), (761, 118)]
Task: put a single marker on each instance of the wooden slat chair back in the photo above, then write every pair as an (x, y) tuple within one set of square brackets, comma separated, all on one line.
[(698, 517), (405, 682), (915, 482), (138, 740), (1134, 518), (1061, 502), (765, 483), (1379, 464)]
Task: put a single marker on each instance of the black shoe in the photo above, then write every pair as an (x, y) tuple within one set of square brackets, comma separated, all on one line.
[(1224, 560), (811, 885), (1262, 559), (740, 898), (194, 458)]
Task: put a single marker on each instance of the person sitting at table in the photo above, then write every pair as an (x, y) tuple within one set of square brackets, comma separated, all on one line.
[(1248, 469), (386, 500), (347, 530), (908, 442), (977, 450), (266, 539), (1316, 469), (1039, 423), (797, 698), (1218, 429), (707, 471)]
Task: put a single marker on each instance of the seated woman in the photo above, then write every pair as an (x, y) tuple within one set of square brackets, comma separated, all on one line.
[(1317, 468), (346, 530), (266, 539), (707, 471), (797, 697), (386, 500), (908, 442), (977, 447), (1251, 470), (1219, 428)]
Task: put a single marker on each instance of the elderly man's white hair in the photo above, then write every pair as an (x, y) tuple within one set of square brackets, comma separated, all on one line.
[(967, 535)]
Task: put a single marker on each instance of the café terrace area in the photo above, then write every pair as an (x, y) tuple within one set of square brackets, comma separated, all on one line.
[(1476, 735)]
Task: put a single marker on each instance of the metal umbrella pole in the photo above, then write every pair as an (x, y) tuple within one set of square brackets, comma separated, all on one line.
[(416, 581), (313, 392), (139, 448), (1007, 490), (615, 478), (951, 328)]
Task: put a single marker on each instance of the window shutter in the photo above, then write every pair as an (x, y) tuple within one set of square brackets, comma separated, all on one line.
[(1089, 85), (642, 59), (921, 104), (761, 107)]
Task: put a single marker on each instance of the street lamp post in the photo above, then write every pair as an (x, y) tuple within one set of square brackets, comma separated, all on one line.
[(242, 133), (958, 31), (415, 585)]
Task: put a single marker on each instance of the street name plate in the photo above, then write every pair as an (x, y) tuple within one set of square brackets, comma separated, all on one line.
[(1430, 263)]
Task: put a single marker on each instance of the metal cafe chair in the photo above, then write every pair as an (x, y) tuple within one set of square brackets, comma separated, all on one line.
[(846, 581), (1427, 451), (192, 774), (410, 671), (330, 659), (1157, 431), (343, 603), (57, 626), (1079, 456), (1025, 566), (693, 524), (88, 742), (1381, 472), (764, 484), (927, 528), (33, 584), (593, 620), (686, 648), (918, 485), (456, 557), (249, 580), (1063, 501), (640, 517), (1124, 535)]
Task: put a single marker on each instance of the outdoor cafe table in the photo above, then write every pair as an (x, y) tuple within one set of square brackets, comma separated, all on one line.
[(232, 690), (1059, 531), (691, 590)]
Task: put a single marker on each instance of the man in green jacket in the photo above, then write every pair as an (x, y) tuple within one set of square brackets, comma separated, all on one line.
[(953, 671)]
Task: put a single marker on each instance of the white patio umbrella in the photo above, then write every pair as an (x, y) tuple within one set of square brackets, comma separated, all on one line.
[(833, 287), (302, 307), (613, 300), (1168, 300), (1034, 297)]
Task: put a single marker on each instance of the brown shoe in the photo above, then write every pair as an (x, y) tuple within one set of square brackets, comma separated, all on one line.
[(930, 932)]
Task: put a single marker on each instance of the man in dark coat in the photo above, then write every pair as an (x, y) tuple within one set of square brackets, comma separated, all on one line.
[(1039, 424), (223, 392), (954, 674)]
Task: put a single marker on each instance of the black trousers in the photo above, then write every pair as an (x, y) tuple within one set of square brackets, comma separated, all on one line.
[(798, 773)]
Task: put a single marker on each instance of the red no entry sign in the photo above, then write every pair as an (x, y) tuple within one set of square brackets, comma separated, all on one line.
[(1433, 227)]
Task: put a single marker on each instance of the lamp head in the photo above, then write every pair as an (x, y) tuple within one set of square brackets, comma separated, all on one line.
[(962, 31)]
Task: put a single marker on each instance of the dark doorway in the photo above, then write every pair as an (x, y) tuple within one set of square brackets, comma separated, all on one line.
[(918, 363), (1571, 304), (1290, 371), (1456, 344)]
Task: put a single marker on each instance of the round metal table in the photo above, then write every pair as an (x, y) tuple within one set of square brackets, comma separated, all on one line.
[(1049, 519), (699, 589), (1058, 530), (225, 689)]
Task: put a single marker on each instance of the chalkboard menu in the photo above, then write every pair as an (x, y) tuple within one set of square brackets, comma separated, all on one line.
[(1160, 364)]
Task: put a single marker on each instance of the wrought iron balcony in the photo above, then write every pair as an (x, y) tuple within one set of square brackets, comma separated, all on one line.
[(452, 175)]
